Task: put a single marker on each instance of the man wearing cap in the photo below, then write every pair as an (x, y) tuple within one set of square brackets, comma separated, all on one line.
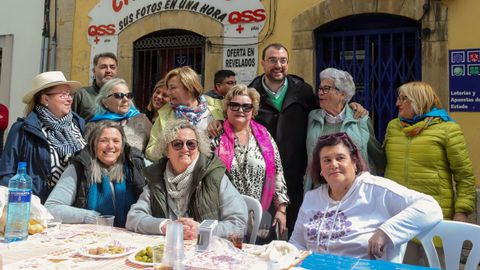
[(47, 137), (104, 69)]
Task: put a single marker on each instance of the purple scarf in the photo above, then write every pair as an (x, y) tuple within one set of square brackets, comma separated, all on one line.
[(226, 151)]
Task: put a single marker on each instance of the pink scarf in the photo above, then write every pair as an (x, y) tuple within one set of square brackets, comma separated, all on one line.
[(226, 151)]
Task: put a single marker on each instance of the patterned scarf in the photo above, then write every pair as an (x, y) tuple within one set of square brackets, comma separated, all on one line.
[(413, 127), (115, 116), (226, 152), (59, 132), (193, 115)]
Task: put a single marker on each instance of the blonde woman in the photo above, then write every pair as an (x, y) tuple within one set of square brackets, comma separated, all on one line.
[(186, 102), (251, 156), (426, 151)]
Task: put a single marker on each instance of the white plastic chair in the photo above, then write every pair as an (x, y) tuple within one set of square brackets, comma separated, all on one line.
[(255, 206), (453, 235)]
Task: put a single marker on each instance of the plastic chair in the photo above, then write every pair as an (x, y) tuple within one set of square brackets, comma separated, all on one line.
[(255, 206), (453, 234)]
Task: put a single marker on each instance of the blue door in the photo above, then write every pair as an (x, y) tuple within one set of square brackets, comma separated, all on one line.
[(381, 52)]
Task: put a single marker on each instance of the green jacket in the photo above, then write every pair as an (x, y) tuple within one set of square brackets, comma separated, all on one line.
[(434, 162), (204, 201), (166, 114)]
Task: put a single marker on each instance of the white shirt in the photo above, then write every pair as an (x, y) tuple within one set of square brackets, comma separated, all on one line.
[(371, 203)]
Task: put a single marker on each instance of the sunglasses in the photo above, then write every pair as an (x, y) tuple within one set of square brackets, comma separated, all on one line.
[(234, 106), (121, 95), (340, 135), (178, 144)]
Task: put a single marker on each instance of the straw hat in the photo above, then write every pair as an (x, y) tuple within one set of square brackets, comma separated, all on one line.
[(48, 79)]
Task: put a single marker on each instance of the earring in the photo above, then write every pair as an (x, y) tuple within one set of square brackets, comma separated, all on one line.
[(46, 104)]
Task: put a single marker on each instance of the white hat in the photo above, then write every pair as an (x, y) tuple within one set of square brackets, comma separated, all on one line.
[(48, 79)]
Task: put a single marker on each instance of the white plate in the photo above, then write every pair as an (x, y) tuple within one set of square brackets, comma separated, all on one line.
[(84, 252), (131, 258)]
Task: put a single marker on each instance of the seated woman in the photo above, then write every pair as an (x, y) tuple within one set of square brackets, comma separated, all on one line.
[(47, 137), (189, 184), (104, 179), (114, 103), (373, 217), (186, 102), (251, 156), (159, 98)]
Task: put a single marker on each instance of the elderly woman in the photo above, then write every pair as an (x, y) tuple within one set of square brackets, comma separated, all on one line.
[(47, 137), (104, 179), (114, 103), (335, 91), (186, 102), (426, 151), (251, 155), (159, 98), (354, 213), (189, 184)]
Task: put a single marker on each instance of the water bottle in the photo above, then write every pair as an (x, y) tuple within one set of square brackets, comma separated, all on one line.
[(18, 207)]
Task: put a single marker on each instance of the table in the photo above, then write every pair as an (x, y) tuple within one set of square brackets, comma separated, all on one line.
[(334, 262), (58, 249)]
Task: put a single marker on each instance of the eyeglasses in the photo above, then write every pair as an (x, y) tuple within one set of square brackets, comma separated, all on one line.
[(403, 99), (325, 89), (121, 95), (178, 144), (62, 95), (273, 61), (234, 106)]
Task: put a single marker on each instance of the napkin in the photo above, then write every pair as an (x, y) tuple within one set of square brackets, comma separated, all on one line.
[(280, 253)]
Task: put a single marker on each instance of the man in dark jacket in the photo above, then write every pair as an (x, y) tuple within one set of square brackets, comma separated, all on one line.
[(285, 102), (104, 69)]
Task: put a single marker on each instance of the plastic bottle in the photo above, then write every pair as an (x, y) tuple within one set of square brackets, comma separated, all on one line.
[(18, 207)]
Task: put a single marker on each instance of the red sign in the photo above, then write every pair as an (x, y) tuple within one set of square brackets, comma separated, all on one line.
[(101, 30), (247, 16)]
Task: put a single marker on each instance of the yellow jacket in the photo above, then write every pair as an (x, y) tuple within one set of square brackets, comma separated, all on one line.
[(166, 114), (433, 162)]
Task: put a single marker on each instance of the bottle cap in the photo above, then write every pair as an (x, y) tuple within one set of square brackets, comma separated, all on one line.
[(22, 164)]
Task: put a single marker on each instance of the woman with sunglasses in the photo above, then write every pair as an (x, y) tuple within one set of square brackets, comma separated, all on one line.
[(47, 137), (426, 151), (187, 184), (186, 102), (335, 91), (353, 213), (114, 103), (104, 178), (252, 157)]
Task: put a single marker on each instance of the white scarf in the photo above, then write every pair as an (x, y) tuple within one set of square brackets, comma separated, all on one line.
[(179, 186)]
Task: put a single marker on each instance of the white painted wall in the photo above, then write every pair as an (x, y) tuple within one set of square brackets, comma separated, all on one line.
[(24, 20)]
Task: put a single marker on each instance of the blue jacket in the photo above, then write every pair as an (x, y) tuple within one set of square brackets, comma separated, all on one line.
[(26, 142)]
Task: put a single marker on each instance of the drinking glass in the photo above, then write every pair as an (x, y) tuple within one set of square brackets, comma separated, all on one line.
[(103, 229)]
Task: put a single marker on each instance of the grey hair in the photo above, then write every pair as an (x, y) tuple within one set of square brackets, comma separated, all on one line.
[(104, 92), (170, 133), (342, 80), (115, 173)]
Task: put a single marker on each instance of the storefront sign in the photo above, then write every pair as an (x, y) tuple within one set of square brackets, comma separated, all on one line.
[(242, 20), (464, 69)]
